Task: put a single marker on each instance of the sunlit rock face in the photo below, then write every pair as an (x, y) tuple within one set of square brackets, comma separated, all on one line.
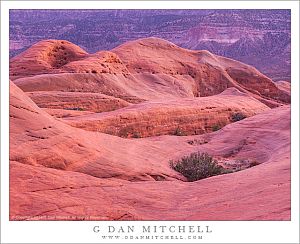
[(262, 40), (92, 135)]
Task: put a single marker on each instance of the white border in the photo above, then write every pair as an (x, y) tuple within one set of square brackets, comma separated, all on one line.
[(81, 232)]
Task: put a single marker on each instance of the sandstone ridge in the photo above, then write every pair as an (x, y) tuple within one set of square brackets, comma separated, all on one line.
[(92, 135), (144, 69)]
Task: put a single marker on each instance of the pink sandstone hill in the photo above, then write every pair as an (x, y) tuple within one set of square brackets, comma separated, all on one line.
[(94, 102), (39, 139), (172, 117), (69, 111), (58, 170), (145, 69), (285, 86), (43, 57)]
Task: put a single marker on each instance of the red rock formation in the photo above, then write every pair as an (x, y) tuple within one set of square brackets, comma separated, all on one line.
[(145, 69), (284, 85), (60, 170), (55, 191), (172, 117), (36, 138), (100, 62), (212, 74), (80, 101), (63, 113), (44, 57)]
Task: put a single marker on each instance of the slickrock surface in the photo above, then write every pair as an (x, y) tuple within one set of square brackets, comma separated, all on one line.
[(264, 40), (153, 89), (144, 69), (175, 117), (63, 113), (100, 62), (212, 74), (39, 139), (44, 57), (284, 85), (45, 153), (79, 101)]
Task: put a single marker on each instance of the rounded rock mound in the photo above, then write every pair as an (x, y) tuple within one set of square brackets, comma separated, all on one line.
[(45, 57)]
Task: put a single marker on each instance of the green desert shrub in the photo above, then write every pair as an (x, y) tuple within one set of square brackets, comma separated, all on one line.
[(253, 163), (75, 109), (216, 127), (237, 117), (136, 135), (124, 132), (179, 132), (197, 166)]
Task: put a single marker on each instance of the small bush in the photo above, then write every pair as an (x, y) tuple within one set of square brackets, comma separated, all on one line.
[(136, 135), (216, 127), (197, 166), (124, 132), (253, 163), (76, 109), (197, 142), (237, 117), (179, 132)]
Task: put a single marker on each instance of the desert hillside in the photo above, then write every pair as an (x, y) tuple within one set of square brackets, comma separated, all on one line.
[(93, 134), (258, 37)]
